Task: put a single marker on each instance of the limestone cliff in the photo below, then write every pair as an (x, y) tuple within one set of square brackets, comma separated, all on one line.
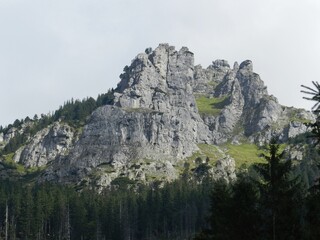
[(48, 144), (248, 111)]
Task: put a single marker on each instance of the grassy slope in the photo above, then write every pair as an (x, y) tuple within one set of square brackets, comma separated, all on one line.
[(244, 154), (210, 106)]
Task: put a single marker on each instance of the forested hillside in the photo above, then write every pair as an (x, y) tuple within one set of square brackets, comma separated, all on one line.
[(73, 112)]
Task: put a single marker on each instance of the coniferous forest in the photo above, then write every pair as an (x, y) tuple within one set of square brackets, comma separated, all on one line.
[(175, 211)]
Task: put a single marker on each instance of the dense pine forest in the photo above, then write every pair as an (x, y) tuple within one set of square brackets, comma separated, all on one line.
[(175, 211)]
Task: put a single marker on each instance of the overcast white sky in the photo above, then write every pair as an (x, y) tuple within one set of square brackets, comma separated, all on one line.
[(51, 51)]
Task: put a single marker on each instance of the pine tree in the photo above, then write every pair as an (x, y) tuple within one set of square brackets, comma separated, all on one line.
[(245, 217), (315, 96), (313, 199), (281, 195), (219, 224)]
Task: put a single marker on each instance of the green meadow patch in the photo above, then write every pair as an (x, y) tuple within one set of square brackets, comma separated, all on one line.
[(211, 106), (244, 154)]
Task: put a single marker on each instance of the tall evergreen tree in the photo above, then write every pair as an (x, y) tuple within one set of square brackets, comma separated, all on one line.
[(313, 199), (281, 195), (315, 96), (219, 220)]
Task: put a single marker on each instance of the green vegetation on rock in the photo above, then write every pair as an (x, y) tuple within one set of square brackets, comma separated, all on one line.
[(213, 84), (295, 116), (205, 151), (211, 106), (211, 151), (141, 110), (244, 154), (122, 182), (107, 167), (9, 163)]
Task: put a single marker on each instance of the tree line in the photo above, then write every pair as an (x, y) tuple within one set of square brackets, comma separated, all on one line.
[(174, 211)]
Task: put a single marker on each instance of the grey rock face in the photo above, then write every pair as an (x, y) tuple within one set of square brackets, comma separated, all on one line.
[(46, 146), (12, 132), (144, 133), (154, 116), (249, 111), (225, 168), (161, 82), (296, 128), (9, 135)]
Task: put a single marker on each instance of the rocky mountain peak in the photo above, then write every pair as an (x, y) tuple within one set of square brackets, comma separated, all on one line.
[(151, 79), (220, 63), (246, 66), (235, 66), (165, 108)]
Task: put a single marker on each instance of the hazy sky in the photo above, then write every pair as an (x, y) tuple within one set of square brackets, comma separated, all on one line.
[(51, 51)]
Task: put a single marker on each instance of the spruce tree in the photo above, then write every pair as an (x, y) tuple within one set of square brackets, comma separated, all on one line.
[(315, 96), (281, 195), (221, 209), (313, 199)]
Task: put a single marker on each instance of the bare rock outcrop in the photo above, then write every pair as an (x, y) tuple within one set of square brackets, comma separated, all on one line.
[(48, 144), (154, 116)]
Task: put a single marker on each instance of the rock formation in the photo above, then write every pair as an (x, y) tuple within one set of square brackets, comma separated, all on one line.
[(157, 122), (48, 144)]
